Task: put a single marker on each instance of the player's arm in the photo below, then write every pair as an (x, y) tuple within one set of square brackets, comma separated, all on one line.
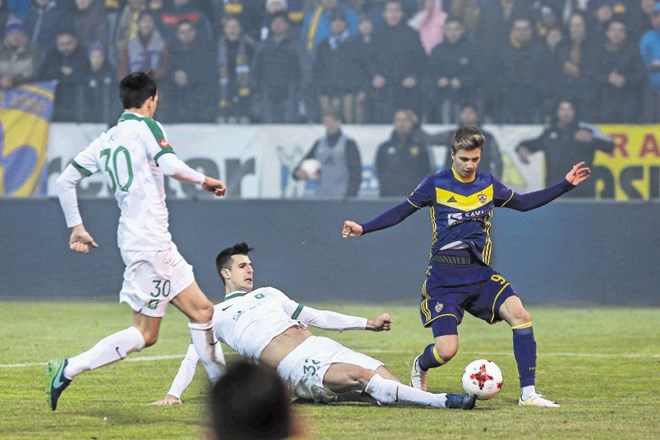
[(329, 320), (80, 239), (526, 202), (385, 220), (183, 378), (176, 168)]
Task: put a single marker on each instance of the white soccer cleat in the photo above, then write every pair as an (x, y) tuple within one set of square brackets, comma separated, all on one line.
[(538, 401), (417, 375)]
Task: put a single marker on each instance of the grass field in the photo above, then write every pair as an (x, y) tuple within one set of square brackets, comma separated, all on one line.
[(601, 364)]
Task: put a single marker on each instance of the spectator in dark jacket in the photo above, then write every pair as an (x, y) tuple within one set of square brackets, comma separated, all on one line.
[(617, 72), (43, 20), (336, 74), (453, 75), (90, 22), (565, 142), (101, 103), (191, 77), (402, 161), (277, 69), (399, 64), (551, 69), (176, 11), (68, 64), (519, 76), (20, 59), (146, 51)]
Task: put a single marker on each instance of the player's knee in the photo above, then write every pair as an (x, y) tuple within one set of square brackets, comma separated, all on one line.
[(446, 351), (203, 314), (150, 338)]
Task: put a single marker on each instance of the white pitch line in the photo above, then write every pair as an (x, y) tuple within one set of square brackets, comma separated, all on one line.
[(375, 350)]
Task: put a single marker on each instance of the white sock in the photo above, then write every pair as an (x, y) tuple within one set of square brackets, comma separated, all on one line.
[(391, 392), (107, 351), (526, 392), (208, 348)]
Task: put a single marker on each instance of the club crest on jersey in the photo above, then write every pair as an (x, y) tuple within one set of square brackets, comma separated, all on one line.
[(482, 198), (414, 151), (438, 307), (164, 143)]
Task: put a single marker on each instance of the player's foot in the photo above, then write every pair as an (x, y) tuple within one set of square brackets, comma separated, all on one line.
[(538, 401), (57, 383), (417, 375), (460, 401)]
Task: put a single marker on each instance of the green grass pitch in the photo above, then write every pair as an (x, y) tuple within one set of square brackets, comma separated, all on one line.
[(601, 364)]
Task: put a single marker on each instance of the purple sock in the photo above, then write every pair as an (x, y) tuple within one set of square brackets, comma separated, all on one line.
[(524, 349), (428, 359)]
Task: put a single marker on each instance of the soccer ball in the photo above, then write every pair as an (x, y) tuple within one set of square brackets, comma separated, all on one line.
[(312, 168), (482, 379)]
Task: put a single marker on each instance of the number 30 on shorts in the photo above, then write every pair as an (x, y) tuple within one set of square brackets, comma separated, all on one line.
[(161, 288)]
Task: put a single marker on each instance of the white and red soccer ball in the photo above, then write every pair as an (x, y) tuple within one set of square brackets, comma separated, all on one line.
[(482, 379), (312, 168)]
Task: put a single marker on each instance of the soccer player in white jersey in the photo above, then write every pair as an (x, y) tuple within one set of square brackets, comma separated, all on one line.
[(135, 156), (267, 327)]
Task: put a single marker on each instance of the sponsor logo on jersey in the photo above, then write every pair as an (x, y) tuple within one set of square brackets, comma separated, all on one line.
[(458, 217)]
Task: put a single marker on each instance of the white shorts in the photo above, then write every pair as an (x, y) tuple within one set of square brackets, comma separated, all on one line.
[(304, 368), (153, 279)]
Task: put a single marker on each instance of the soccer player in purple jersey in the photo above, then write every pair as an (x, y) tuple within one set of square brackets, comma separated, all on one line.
[(459, 276)]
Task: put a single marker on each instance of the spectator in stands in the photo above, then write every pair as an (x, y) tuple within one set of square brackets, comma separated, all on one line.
[(496, 20), (430, 23), (250, 14), (277, 69), (127, 25), (640, 19), (552, 69), (491, 157), (4, 14), (617, 73), (599, 14), (365, 59), (467, 11), (650, 51), (341, 167), (272, 7), (176, 11), (112, 10), (234, 60), (574, 80), (18, 8), (399, 64), (43, 20), (251, 402), (374, 10), (20, 59), (147, 51), (452, 75), (316, 27), (518, 74), (565, 142), (191, 77), (100, 96), (68, 64), (336, 70), (90, 22), (402, 161)]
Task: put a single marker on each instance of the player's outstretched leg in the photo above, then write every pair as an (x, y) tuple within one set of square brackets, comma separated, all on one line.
[(524, 349), (57, 383), (390, 392)]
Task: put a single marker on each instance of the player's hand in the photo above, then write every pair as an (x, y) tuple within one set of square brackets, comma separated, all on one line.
[(80, 240), (215, 186), (578, 174), (383, 322), (168, 400), (351, 229)]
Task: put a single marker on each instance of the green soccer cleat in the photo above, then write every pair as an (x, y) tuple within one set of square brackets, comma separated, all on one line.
[(460, 401), (57, 383)]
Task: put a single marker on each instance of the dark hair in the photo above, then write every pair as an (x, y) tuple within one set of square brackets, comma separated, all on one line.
[(250, 402), (223, 260), (135, 88), (279, 14), (467, 138)]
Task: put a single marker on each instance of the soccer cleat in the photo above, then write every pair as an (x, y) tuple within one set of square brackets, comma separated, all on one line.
[(57, 383), (460, 401), (417, 375), (538, 401)]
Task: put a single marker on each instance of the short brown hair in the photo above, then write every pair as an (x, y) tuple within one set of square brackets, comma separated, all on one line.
[(467, 138)]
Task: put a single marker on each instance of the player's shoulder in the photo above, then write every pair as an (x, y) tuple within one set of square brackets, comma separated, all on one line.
[(268, 290)]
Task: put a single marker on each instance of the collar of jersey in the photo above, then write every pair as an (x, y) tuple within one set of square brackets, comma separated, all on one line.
[(460, 179), (126, 116), (235, 294)]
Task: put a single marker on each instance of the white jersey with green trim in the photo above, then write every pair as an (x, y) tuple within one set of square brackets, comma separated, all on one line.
[(128, 155), (247, 322)]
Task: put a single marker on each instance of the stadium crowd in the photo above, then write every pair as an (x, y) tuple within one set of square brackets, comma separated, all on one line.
[(292, 61)]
